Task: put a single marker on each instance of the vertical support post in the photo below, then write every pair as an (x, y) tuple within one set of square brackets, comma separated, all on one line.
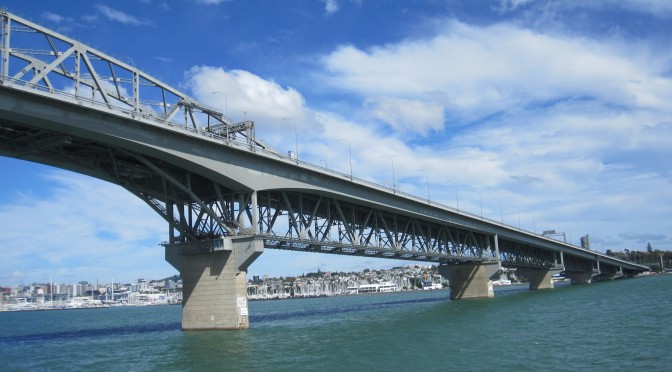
[(496, 246), (540, 278), (171, 228), (580, 277), (6, 25), (136, 91), (471, 280), (214, 282), (255, 212), (78, 58)]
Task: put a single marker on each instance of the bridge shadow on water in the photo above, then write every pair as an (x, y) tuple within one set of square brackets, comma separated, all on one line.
[(324, 310), (350, 308), (91, 333)]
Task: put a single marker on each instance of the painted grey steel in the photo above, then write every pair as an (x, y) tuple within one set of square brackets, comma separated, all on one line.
[(209, 177)]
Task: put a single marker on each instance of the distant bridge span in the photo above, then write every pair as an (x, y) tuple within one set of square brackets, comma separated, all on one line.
[(226, 196)]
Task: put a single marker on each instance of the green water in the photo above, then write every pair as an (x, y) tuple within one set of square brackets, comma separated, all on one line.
[(619, 325)]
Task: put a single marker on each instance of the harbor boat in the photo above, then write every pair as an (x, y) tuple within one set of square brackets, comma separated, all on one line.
[(501, 282)]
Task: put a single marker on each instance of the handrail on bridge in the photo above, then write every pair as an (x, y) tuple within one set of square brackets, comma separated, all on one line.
[(253, 147)]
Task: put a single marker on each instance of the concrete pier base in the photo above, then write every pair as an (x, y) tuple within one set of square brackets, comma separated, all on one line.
[(471, 280), (214, 283), (540, 278), (580, 277)]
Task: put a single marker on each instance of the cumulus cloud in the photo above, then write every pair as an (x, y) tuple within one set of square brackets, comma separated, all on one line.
[(330, 6), (121, 17), (510, 5), (406, 115), (478, 71), (212, 2), (56, 18), (238, 90), (81, 222)]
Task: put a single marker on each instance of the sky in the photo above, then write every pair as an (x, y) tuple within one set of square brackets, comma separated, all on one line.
[(547, 115)]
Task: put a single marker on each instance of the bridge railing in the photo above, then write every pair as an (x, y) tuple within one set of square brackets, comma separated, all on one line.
[(249, 146), (245, 145)]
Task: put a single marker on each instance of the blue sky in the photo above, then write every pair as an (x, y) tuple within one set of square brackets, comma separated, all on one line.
[(544, 114)]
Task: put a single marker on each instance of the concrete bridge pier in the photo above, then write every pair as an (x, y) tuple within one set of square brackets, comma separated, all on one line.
[(471, 280), (580, 277), (214, 281), (540, 278)]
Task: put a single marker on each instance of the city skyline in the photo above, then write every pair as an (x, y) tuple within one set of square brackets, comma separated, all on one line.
[(544, 115)]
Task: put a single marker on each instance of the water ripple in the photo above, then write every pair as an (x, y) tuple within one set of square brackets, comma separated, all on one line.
[(90, 333)]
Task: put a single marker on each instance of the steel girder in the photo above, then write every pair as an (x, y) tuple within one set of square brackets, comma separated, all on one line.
[(318, 223), (34, 56), (517, 254)]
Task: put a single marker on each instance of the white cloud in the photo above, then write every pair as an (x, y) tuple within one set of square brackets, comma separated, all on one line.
[(53, 17), (330, 6), (405, 115), (212, 2), (655, 7), (94, 228), (119, 16), (510, 5), (479, 71), (236, 91)]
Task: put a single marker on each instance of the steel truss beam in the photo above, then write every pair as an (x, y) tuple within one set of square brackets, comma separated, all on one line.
[(517, 254), (37, 57), (573, 263), (317, 223)]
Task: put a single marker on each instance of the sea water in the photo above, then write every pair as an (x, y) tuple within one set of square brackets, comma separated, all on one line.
[(616, 325)]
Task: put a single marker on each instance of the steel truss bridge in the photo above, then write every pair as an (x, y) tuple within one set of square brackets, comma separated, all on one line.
[(65, 104)]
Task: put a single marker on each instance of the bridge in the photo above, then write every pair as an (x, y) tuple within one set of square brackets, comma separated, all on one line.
[(227, 196)]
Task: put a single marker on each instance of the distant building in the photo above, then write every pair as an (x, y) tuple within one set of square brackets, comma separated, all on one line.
[(585, 242)]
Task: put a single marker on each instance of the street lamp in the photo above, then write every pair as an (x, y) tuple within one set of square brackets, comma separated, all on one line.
[(427, 174), (296, 139), (350, 153), (394, 182), (325, 163), (480, 200), (457, 200), (518, 209), (501, 210), (226, 104)]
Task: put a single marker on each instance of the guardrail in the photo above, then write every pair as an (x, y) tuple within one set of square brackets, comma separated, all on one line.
[(250, 146)]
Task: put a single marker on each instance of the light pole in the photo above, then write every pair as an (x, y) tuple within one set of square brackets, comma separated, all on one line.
[(130, 59), (296, 139), (325, 163), (349, 153), (226, 104), (501, 210), (426, 174), (457, 200), (518, 209), (394, 182), (480, 200)]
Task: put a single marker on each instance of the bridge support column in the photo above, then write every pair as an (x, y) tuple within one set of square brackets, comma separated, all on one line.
[(471, 280), (540, 278), (580, 277), (214, 282)]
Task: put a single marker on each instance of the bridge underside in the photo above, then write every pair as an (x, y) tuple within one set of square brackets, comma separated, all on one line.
[(199, 208)]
